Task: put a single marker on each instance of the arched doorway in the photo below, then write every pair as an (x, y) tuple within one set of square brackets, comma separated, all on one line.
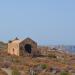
[(28, 48)]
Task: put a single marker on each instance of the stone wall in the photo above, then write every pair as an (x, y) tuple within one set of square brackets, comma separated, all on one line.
[(13, 48)]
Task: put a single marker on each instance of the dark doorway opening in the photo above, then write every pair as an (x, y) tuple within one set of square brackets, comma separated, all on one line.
[(28, 48)]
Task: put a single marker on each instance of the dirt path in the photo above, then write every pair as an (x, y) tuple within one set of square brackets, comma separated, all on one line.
[(8, 71)]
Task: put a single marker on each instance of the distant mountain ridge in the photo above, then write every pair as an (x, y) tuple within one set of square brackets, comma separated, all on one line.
[(69, 48)]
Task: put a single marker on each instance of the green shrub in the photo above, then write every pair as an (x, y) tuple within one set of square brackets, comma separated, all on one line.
[(34, 73), (52, 56), (15, 72), (64, 73), (44, 66)]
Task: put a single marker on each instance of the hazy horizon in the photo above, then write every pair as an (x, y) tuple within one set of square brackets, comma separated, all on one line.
[(45, 21)]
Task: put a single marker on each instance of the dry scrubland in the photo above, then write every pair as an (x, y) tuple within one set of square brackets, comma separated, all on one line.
[(55, 63), (43, 65)]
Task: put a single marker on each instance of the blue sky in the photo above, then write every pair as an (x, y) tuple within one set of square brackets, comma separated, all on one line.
[(46, 21)]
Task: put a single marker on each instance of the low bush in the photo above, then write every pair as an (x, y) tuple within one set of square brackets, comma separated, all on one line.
[(44, 66), (64, 73), (52, 56), (15, 72)]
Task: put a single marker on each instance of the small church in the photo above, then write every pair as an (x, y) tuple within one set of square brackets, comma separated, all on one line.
[(26, 47)]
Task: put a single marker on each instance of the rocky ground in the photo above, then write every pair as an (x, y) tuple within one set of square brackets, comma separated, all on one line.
[(43, 65)]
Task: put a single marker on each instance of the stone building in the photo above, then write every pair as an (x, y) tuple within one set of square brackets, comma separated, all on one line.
[(23, 47)]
